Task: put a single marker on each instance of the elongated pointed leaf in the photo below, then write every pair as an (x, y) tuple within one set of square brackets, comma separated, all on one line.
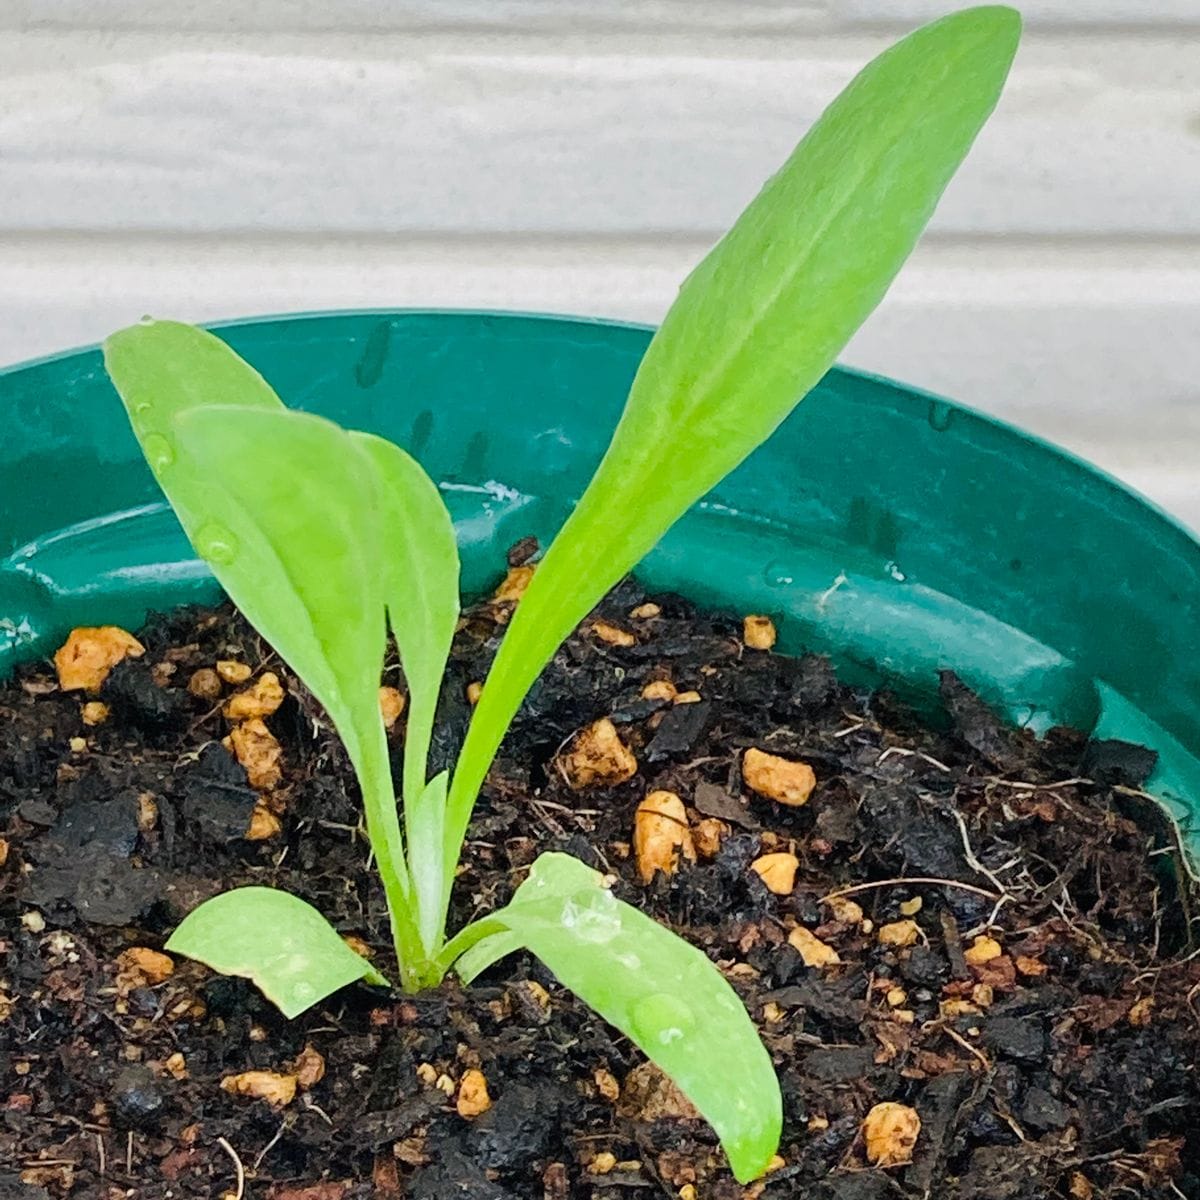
[(656, 988), (425, 825), (755, 326), (420, 559), (421, 584), (290, 530), (244, 493), (281, 943), (163, 368), (285, 509)]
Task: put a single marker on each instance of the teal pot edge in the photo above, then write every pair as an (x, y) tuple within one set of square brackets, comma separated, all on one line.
[(893, 529)]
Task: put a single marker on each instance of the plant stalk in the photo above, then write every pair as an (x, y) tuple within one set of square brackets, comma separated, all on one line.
[(374, 772)]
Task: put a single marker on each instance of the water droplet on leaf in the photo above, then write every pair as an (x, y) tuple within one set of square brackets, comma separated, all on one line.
[(594, 920), (217, 544), (158, 451), (661, 1019)]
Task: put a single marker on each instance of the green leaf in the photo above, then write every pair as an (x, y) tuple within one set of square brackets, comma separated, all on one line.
[(163, 368), (234, 487), (653, 986), (754, 327), (421, 585), (290, 528), (284, 507), (298, 520), (425, 825), (294, 956), (420, 557)]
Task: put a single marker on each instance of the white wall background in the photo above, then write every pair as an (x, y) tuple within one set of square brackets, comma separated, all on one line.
[(214, 158)]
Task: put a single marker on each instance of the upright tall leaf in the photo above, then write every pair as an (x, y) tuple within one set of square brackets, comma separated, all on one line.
[(291, 531), (420, 562), (754, 327)]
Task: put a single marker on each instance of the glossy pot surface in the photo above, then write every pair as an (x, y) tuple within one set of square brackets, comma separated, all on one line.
[(896, 531)]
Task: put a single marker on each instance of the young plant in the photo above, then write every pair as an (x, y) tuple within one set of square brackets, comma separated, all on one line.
[(324, 538)]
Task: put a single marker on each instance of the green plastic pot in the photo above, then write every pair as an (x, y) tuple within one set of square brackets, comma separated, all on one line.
[(895, 531)]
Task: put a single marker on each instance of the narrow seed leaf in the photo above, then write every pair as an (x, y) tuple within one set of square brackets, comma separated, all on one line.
[(489, 950), (657, 989), (425, 825), (280, 943), (754, 327), (421, 585)]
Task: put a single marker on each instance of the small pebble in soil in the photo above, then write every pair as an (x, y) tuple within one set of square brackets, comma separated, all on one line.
[(84, 660), (137, 1097), (598, 756), (777, 778), (758, 632), (232, 671), (260, 699), (661, 837), (777, 871), (391, 706)]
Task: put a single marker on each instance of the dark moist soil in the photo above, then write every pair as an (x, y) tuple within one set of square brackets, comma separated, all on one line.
[(1065, 1067)]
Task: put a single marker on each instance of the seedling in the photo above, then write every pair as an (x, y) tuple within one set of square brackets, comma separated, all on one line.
[(324, 538)]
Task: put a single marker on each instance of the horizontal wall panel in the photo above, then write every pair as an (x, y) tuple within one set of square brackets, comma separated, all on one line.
[(1093, 347), (539, 16), (390, 135)]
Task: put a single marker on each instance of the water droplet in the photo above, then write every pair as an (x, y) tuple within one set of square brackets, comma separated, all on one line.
[(217, 544), (661, 1018), (158, 451), (146, 320), (941, 415), (779, 574), (893, 569), (595, 921), (142, 407)]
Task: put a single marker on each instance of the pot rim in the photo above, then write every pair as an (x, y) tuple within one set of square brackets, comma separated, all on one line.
[(863, 373)]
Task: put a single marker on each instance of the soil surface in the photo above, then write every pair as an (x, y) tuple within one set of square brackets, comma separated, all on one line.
[(1038, 1008)]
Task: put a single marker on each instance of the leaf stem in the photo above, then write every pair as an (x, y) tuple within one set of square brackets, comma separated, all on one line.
[(465, 938), (374, 772)]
